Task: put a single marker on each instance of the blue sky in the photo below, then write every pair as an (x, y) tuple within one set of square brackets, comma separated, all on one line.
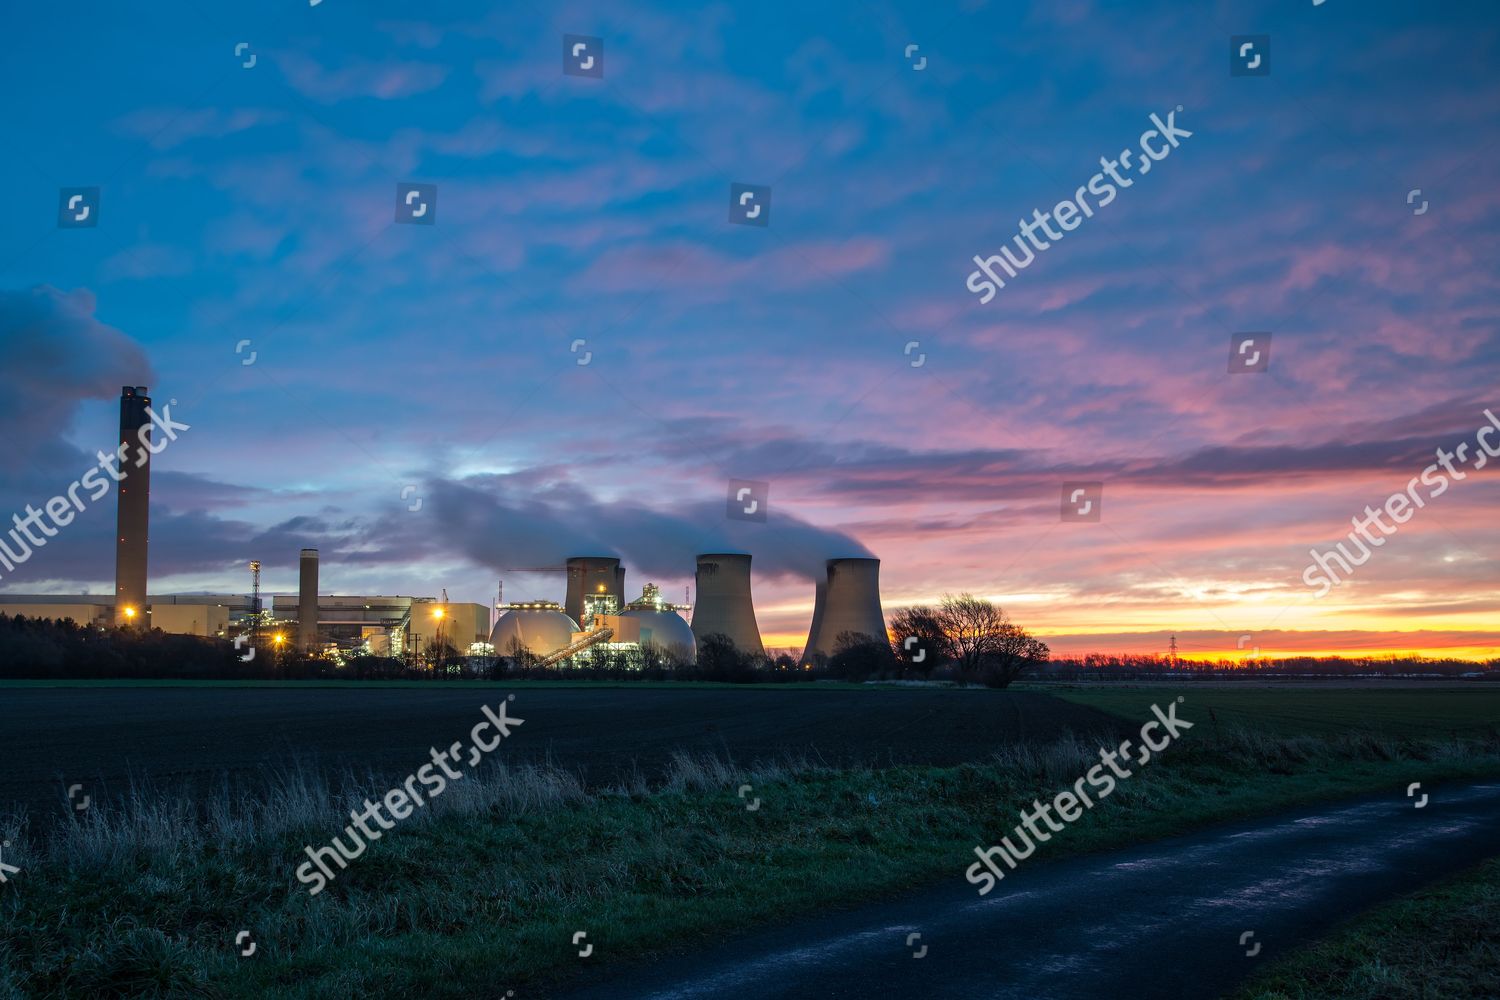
[(257, 204)]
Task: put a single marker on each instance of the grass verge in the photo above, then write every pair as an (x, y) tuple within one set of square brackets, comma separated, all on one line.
[(483, 893), (1440, 942)]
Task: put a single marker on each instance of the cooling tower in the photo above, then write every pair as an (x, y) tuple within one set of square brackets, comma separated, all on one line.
[(133, 514), (307, 601), (820, 597), (848, 602), (593, 575), (724, 604)]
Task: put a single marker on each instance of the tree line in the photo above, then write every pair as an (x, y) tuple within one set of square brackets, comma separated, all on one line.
[(963, 639)]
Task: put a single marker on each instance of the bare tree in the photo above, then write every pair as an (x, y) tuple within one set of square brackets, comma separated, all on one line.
[(984, 641), (918, 639), (857, 656), (521, 658), (721, 660)]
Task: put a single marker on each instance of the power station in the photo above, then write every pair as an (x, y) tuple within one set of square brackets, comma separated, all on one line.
[(593, 617)]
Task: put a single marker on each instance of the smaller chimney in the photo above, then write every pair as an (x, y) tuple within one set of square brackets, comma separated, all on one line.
[(307, 602)]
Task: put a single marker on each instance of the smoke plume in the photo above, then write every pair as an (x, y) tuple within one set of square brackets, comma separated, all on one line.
[(505, 523)]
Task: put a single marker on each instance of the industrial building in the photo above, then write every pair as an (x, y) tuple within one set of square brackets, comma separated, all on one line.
[(185, 614), (379, 625)]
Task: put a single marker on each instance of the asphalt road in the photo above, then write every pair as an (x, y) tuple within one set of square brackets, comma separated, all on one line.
[(184, 738), (1163, 920)]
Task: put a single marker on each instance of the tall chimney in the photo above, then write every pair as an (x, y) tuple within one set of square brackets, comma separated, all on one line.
[(133, 514), (307, 601), (724, 605), (593, 575), (851, 603)]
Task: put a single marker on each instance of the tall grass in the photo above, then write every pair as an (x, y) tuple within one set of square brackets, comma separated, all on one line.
[(167, 826), (151, 823)]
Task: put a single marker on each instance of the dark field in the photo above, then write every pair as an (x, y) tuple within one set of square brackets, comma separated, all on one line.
[(1305, 709), (102, 736)]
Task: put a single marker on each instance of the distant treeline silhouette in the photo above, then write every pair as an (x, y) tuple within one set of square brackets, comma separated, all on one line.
[(1101, 666), (44, 649)]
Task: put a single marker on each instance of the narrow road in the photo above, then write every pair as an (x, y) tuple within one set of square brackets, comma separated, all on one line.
[(1161, 920)]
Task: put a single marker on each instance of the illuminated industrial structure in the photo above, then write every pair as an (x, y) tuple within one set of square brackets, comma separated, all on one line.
[(661, 625), (544, 630), (382, 625), (589, 579)]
